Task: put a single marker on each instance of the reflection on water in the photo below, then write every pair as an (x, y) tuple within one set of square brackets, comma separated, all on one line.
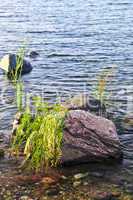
[(75, 39)]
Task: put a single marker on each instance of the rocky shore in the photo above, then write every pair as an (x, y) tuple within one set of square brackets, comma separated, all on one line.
[(88, 139)]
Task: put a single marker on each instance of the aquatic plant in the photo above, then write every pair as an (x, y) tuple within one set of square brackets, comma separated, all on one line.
[(19, 95), (40, 136), (15, 73), (100, 90)]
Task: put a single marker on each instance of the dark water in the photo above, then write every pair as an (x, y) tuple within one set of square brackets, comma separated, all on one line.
[(75, 40)]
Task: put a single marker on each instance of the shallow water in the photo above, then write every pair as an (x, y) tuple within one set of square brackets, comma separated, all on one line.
[(75, 40)]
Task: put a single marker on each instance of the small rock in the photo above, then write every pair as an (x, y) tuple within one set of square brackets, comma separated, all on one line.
[(103, 196), (64, 177), (127, 197), (1, 140), (33, 54), (98, 174), (2, 153), (85, 183), (52, 192), (76, 183), (80, 176), (24, 198), (48, 180), (116, 194)]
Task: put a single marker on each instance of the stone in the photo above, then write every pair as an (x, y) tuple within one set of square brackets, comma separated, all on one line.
[(103, 196), (1, 140), (116, 194), (76, 183), (48, 180), (128, 121), (24, 198), (80, 176), (89, 138), (33, 54), (52, 192), (8, 64)]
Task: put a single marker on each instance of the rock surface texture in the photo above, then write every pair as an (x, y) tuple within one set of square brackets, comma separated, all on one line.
[(89, 138)]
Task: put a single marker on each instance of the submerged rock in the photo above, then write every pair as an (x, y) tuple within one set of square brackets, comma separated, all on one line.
[(89, 138), (33, 54), (128, 121), (104, 196), (80, 176), (9, 62)]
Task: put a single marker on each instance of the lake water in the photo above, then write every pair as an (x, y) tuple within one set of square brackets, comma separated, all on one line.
[(76, 39)]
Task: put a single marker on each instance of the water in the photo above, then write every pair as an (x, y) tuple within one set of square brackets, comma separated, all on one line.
[(75, 40)]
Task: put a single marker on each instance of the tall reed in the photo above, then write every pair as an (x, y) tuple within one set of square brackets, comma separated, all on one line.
[(100, 91)]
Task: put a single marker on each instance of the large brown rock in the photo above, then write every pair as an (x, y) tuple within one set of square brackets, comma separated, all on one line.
[(89, 138)]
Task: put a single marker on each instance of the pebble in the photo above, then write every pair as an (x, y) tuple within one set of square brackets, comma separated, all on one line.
[(1, 140), (80, 176), (97, 174), (25, 198), (52, 192), (104, 196), (116, 194), (64, 177), (33, 54), (85, 183), (76, 183)]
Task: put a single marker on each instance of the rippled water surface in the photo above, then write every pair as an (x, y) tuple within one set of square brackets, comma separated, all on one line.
[(75, 40)]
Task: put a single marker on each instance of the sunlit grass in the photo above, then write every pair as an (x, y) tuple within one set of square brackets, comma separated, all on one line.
[(15, 74), (40, 136), (100, 91)]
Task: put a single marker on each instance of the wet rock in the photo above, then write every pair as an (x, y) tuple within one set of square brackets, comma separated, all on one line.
[(1, 140), (64, 177), (85, 183), (129, 188), (103, 196), (33, 54), (2, 153), (25, 198), (48, 180), (76, 183), (80, 176), (9, 62), (52, 192), (128, 121), (97, 174), (116, 194), (89, 138)]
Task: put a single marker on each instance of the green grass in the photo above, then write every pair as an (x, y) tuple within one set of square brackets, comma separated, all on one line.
[(100, 90), (15, 74), (19, 95), (40, 136)]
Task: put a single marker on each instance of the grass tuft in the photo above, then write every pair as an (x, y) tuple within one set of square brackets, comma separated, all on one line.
[(40, 136)]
